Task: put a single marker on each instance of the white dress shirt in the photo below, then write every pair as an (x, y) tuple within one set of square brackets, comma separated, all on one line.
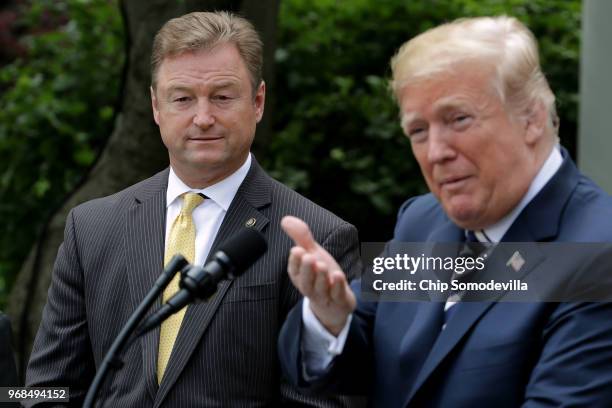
[(319, 346), (209, 215)]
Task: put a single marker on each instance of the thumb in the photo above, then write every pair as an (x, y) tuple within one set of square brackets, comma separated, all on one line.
[(299, 232)]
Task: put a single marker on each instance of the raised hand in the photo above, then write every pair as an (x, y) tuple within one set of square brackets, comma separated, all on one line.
[(317, 275)]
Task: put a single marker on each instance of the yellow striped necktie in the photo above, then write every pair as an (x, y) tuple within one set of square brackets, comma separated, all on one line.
[(182, 241)]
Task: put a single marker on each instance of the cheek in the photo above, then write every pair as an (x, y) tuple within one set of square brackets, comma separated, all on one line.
[(241, 126), (172, 134), (483, 192), (176, 122)]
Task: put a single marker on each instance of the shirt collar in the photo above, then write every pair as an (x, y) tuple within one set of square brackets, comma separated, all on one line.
[(495, 232), (222, 192)]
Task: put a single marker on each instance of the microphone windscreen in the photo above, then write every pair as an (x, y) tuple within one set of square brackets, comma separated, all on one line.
[(244, 248)]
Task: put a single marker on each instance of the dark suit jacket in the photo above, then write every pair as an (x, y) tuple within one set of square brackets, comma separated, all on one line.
[(8, 370), (225, 353), (490, 354)]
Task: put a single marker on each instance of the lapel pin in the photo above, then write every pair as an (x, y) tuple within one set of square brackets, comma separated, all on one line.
[(516, 261), (250, 222)]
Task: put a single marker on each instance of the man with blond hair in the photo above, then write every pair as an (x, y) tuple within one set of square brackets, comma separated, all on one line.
[(481, 120), (207, 96)]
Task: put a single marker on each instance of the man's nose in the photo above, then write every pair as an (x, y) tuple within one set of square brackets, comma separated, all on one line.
[(439, 149), (204, 116)]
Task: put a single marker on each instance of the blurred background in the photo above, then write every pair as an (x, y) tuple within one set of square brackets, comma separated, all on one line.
[(75, 119)]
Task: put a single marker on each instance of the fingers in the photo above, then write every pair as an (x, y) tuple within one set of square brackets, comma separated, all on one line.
[(299, 232), (300, 271), (309, 276), (310, 268), (340, 292), (295, 259), (338, 287), (320, 283)]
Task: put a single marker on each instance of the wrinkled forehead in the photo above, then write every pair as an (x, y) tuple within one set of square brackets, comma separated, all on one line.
[(455, 69), (217, 53), (464, 84)]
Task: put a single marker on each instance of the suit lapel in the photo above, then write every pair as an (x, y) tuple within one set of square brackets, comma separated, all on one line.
[(448, 338), (145, 226), (253, 194), (442, 243), (424, 336), (538, 222), (469, 312), (541, 218)]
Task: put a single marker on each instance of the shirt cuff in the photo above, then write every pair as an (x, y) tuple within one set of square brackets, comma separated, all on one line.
[(319, 346)]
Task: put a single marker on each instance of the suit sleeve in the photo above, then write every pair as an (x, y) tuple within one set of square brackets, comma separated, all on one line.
[(575, 365), (343, 244), (399, 225), (350, 372), (62, 354)]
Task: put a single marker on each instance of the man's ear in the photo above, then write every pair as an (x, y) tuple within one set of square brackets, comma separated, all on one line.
[(536, 117), (154, 105), (260, 101)]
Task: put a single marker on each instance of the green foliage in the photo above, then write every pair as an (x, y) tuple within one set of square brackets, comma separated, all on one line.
[(56, 111), (338, 139)]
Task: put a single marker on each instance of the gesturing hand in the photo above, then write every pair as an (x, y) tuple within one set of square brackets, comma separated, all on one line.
[(317, 275)]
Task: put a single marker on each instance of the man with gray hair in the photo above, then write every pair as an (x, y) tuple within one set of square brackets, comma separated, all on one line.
[(207, 96), (481, 120)]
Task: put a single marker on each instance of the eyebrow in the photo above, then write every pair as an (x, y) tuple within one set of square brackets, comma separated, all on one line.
[(407, 118), (225, 84), (215, 86), (449, 102), (441, 105), (178, 88)]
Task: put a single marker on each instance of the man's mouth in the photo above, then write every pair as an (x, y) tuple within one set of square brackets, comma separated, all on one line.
[(454, 183), (204, 139)]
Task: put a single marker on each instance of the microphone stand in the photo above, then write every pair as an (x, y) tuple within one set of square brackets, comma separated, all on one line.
[(111, 360)]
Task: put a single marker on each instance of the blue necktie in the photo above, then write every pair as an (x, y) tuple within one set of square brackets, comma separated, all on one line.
[(471, 248)]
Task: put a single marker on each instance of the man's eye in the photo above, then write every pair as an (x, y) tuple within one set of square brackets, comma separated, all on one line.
[(462, 120), (417, 135), (181, 99), (222, 98), (416, 132)]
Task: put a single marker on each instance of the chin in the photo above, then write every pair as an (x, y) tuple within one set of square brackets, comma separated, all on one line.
[(464, 216), (207, 158)]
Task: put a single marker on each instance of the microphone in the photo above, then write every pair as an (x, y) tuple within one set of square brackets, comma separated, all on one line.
[(230, 261)]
